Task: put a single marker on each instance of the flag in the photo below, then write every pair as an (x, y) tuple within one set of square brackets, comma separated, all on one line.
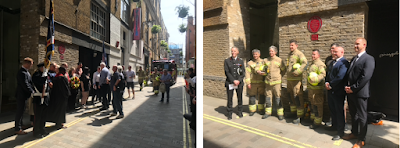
[(104, 57), (50, 37), (137, 24)]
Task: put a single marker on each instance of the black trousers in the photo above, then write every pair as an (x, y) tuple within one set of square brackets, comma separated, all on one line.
[(358, 112), (336, 106), (104, 91), (239, 93), (20, 112), (72, 99), (167, 88), (40, 118)]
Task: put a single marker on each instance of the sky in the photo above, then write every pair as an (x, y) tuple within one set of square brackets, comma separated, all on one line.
[(172, 21)]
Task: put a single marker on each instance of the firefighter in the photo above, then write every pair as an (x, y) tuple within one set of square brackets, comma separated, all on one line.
[(255, 82), (295, 64), (142, 76), (156, 80), (315, 85), (274, 69), (147, 76)]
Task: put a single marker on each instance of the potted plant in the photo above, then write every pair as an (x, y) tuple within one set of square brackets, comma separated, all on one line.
[(163, 43), (155, 29), (182, 11), (182, 28), (169, 51), (180, 53)]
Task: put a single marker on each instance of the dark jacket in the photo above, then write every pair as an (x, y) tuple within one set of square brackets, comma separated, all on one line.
[(24, 85), (232, 67), (39, 81), (359, 75), (336, 76)]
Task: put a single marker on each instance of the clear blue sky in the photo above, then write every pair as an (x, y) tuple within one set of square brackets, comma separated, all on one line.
[(172, 21)]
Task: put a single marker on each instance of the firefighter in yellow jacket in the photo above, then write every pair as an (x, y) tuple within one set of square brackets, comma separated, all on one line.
[(156, 80), (274, 69), (255, 82), (142, 76), (315, 85), (295, 64)]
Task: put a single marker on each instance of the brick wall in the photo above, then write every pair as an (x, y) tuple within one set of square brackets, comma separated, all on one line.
[(342, 25), (300, 7)]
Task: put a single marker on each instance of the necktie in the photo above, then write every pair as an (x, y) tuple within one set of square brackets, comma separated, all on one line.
[(352, 62)]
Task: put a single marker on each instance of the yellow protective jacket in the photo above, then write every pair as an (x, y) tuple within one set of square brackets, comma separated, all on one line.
[(295, 57), (252, 76), (141, 74), (318, 67), (275, 70)]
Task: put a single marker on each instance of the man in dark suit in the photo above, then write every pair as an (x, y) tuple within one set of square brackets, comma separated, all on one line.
[(24, 91), (334, 83), (235, 72), (359, 74)]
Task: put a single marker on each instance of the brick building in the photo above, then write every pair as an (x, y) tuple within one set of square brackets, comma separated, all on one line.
[(80, 29), (249, 24), (190, 51)]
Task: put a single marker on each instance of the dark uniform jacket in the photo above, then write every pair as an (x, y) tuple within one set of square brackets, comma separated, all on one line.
[(24, 84), (234, 70), (39, 81), (359, 75)]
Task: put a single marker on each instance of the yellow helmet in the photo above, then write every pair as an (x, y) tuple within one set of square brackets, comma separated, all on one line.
[(296, 66), (313, 79)]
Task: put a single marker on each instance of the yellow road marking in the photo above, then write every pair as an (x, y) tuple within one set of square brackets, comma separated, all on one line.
[(183, 110), (187, 122), (254, 130)]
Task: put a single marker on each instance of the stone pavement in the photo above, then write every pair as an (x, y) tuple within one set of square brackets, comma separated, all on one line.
[(147, 123), (252, 131)]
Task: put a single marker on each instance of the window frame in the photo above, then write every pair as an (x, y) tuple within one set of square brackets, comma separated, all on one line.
[(97, 22)]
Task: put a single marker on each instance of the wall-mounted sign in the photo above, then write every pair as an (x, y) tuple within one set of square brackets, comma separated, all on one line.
[(61, 49), (314, 37), (62, 57), (389, 54), (314, 24), (137, 23)]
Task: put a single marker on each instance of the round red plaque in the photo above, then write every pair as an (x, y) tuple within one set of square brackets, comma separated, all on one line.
[(61, 49), (314, 24)]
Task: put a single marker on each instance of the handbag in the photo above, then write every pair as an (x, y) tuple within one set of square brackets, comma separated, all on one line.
[(162, 87)]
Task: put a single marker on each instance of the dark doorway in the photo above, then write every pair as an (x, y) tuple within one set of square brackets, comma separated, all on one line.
[(146, 61), (383, 37), (263, 26), (89, 58)]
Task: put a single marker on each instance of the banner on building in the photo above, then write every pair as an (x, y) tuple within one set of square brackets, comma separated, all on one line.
[(137, 24)]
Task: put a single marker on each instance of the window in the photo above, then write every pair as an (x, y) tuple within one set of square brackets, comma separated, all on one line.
[(124, 11), (97, 22)]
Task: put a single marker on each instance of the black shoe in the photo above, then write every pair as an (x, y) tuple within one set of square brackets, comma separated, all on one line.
[(265, 116), (280, 118), (313, 126), (187, 116), (240, 115), (38, 136), (162, 100), (262, 113), (331, 128), (229, 116), (290, 115), (251, 114), (167, 100), (336, 137)]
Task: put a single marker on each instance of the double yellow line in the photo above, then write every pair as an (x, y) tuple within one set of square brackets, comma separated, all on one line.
[(259, 132), (186, 126)]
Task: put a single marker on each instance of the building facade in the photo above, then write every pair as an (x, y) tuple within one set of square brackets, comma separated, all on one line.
[(190, 50), (81, 28), (314, 24), (176, 54)]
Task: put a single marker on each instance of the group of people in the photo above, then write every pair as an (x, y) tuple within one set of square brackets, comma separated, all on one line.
[(337, 76)]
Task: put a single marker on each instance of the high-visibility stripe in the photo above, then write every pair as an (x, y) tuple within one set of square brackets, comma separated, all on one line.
[(256, 81), (280, 112), (300, 112), (294, 78), (318, 120), (252, 108), (293, 109), (273, 82), (260, 107), (277, 63), (312, 117), (248, 69), (268, 110)]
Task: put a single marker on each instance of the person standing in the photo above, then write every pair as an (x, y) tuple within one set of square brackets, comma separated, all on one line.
[(328, 61), (156, 80), (117, 85), (79, 69), (359, 75), (130, 77), (255, 83), (316, 74), (95, 81), (147, 77), (24, 91), (166, 78), (74, 86), (85, 86), (334, 83), (275, 69), (104, 85), (141, 75), (59, 98), (295, 62), (234, 72), (40, 101)]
